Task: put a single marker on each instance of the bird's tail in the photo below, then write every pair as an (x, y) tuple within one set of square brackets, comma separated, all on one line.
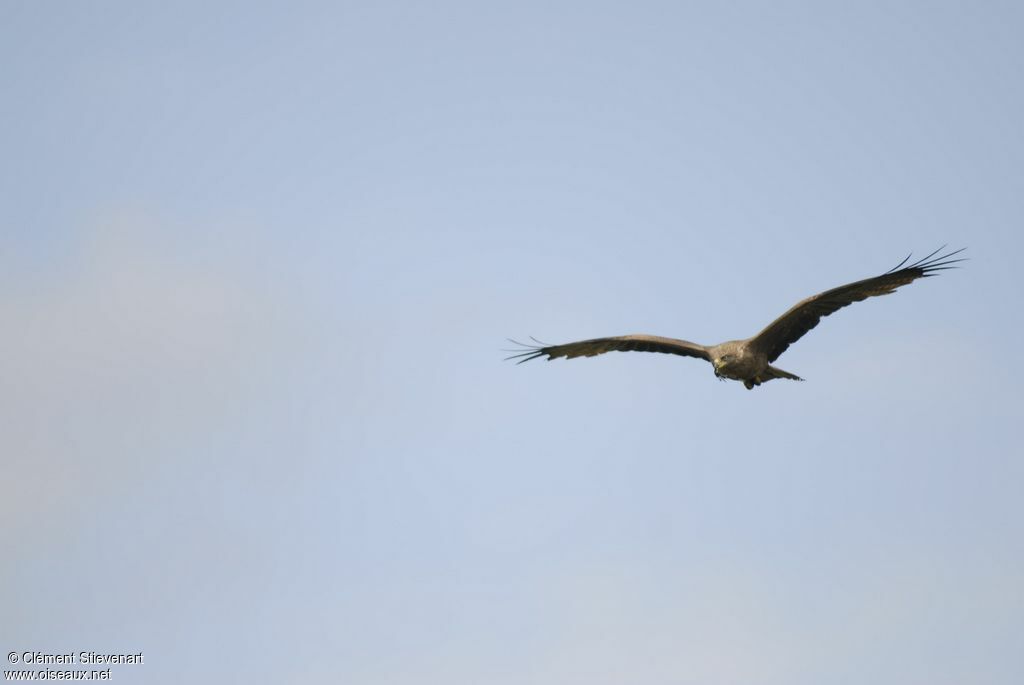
[(774, 372)]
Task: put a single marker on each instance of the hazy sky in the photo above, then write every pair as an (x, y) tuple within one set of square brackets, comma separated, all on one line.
[(258, 263)]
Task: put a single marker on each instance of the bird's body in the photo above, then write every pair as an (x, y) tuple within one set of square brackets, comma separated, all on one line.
[(738, 360), (750, 360)]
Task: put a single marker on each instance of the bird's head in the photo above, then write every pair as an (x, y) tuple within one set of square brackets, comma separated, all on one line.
[(722, 363)]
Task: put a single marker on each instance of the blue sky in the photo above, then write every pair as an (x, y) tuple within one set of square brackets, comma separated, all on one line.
[(258, 265)]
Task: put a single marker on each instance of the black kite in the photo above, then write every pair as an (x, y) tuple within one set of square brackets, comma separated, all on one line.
[(750, 360)]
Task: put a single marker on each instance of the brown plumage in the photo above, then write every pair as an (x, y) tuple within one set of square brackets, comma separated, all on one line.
[(750, 360)]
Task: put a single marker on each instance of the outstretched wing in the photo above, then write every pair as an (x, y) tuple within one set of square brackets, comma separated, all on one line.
[(805, 315), (622, 343)]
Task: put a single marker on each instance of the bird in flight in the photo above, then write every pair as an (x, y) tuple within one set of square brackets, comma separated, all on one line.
[(750, 360)]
